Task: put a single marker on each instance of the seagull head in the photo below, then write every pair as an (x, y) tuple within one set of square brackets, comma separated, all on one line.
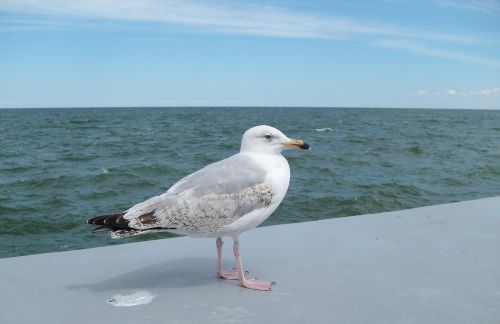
[(267, 139)]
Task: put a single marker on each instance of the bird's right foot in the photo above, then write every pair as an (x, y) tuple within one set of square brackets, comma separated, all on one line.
[(257, 284)]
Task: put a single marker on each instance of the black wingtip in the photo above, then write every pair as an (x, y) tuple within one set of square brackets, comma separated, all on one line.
[(99, 220), (112, 221)]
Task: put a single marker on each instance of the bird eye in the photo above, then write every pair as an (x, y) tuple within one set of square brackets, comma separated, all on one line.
[(267, 136)]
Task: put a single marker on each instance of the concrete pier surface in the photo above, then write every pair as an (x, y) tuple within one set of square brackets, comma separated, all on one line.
[(436, 264)]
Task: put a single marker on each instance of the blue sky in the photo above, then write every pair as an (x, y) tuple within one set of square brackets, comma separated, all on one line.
[(382, 53)]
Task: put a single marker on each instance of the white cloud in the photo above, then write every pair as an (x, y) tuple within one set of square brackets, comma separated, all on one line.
[(419, 94), (223, 17), (421, 49), (488, 92), (214, 16), (451, 92), (454, 93), (489, 7)]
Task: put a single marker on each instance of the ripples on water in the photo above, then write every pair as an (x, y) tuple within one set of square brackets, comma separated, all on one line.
[(60, 166)]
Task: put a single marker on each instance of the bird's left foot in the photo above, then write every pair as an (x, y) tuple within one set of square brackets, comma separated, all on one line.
[(257, 284), (229, 274)]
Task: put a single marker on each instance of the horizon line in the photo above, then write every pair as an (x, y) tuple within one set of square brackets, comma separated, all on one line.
[(246, 106)]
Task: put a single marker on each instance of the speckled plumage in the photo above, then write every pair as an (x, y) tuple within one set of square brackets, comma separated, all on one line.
[(205, 214)]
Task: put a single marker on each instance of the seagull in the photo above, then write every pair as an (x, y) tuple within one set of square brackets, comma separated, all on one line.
[(225, 198)]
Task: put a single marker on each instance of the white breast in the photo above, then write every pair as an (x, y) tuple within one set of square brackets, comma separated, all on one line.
[(278, 175)]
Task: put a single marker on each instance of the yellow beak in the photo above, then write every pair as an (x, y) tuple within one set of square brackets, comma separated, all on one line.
[(297, 144)]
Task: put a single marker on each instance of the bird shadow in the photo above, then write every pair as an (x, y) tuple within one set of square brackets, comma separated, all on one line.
[(184, 272)]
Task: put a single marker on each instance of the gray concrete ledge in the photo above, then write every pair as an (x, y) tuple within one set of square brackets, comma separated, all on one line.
[(437, 264)]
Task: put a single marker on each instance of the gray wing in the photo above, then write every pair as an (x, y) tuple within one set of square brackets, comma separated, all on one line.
[(230, 175), (206, 200)]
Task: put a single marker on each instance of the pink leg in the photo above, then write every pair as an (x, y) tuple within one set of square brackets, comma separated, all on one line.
[(229, 274), (248, 283)]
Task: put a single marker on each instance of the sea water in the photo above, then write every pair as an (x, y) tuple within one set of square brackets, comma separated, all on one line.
[(59, 167)]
